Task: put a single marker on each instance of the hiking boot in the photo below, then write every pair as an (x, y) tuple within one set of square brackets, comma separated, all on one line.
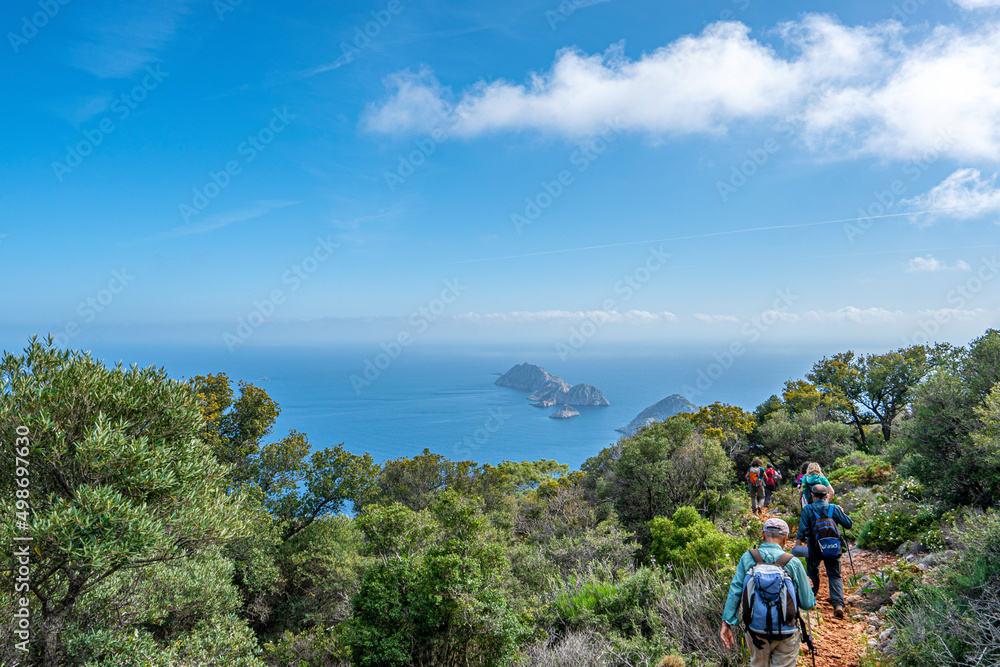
[(838, 611)]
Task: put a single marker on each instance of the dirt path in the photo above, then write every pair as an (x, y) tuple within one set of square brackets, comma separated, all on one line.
[(841, 642)]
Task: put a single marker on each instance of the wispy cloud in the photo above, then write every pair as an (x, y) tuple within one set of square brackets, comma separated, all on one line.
[(218, 221), (932, 264), (715, 319), (977, 4), (965, 194), (635, 317), (851, 89), (855, 315), (120, 38)]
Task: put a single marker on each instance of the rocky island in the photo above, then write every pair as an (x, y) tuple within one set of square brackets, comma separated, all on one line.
[(566, 412), (548, 390), (668, 407)]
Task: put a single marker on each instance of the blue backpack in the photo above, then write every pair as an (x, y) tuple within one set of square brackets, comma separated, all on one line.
[(826, 534), (770, 604)]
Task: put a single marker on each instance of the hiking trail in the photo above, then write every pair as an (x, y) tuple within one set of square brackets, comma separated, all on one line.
[(840, 642)]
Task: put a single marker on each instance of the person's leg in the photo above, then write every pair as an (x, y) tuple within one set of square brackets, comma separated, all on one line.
[(812, 570), (767, 496), (760, 497), (786, 652), (759, 657), (835, 581)]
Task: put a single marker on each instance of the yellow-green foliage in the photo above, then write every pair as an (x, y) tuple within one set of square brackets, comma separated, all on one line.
[(860, 469), (687, 541)]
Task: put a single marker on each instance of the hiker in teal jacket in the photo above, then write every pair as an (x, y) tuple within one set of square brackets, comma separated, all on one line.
[(813, 476), (763, 653), (820, 507)]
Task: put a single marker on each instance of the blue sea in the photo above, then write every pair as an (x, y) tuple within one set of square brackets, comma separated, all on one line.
[(445, 399)]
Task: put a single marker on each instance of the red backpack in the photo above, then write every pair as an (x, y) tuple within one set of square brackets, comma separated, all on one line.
[(770, 477)]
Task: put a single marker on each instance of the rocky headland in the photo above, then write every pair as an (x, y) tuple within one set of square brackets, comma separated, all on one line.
[(668, 407)]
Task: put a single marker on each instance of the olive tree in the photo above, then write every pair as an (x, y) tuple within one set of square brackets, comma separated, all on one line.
[(118, 478)]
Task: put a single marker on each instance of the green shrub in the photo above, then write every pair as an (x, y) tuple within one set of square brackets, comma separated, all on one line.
[(622, 607), (643, 616), (952, 621), (439, 603), (316, 647), (889, 528), (860, 469), (689, 542)]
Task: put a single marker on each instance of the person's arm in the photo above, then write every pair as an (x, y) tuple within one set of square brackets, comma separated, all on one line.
[(841, 517), (729, 615), (803, 534), (803, 589)]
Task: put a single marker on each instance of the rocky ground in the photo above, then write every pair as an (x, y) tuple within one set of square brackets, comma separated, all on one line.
[(841, 642)]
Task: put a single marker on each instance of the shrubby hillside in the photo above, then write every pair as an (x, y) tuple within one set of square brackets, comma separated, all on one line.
[(170, 526)]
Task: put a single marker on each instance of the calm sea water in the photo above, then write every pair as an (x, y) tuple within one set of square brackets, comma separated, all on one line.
[(445, 399)]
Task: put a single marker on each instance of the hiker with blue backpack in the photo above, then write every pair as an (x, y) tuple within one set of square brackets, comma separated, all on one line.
[(771, 586), (819, 527)]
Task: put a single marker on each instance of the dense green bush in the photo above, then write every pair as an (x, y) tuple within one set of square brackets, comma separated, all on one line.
[(435, 594), (889, 528), (951, 442), (315, 647), (688, 542), (858, 468), (640, 616), (655, 471), (621, 606)]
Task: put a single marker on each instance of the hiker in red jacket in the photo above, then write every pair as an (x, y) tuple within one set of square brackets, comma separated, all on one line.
[(771, 479)]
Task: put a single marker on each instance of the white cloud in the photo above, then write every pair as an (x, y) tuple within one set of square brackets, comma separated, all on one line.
[(931, 263), (778, 315), (695, 84), (853, 89), (965, 194), (942, 97), (855, 315), (946, 314), (715, 319), (646, 317), (977, 4)]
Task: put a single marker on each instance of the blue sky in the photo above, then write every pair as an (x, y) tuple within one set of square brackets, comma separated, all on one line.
[(256, 172)]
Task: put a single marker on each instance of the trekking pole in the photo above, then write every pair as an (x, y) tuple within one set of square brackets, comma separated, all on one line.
[(809, 640), (850, 557)]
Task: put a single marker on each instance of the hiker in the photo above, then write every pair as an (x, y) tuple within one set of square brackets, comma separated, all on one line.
[(818, 527), (771, 585), (813, 476), (755, 484), (771, 478)]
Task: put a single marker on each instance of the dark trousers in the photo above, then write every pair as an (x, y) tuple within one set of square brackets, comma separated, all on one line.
[(832, 574)]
